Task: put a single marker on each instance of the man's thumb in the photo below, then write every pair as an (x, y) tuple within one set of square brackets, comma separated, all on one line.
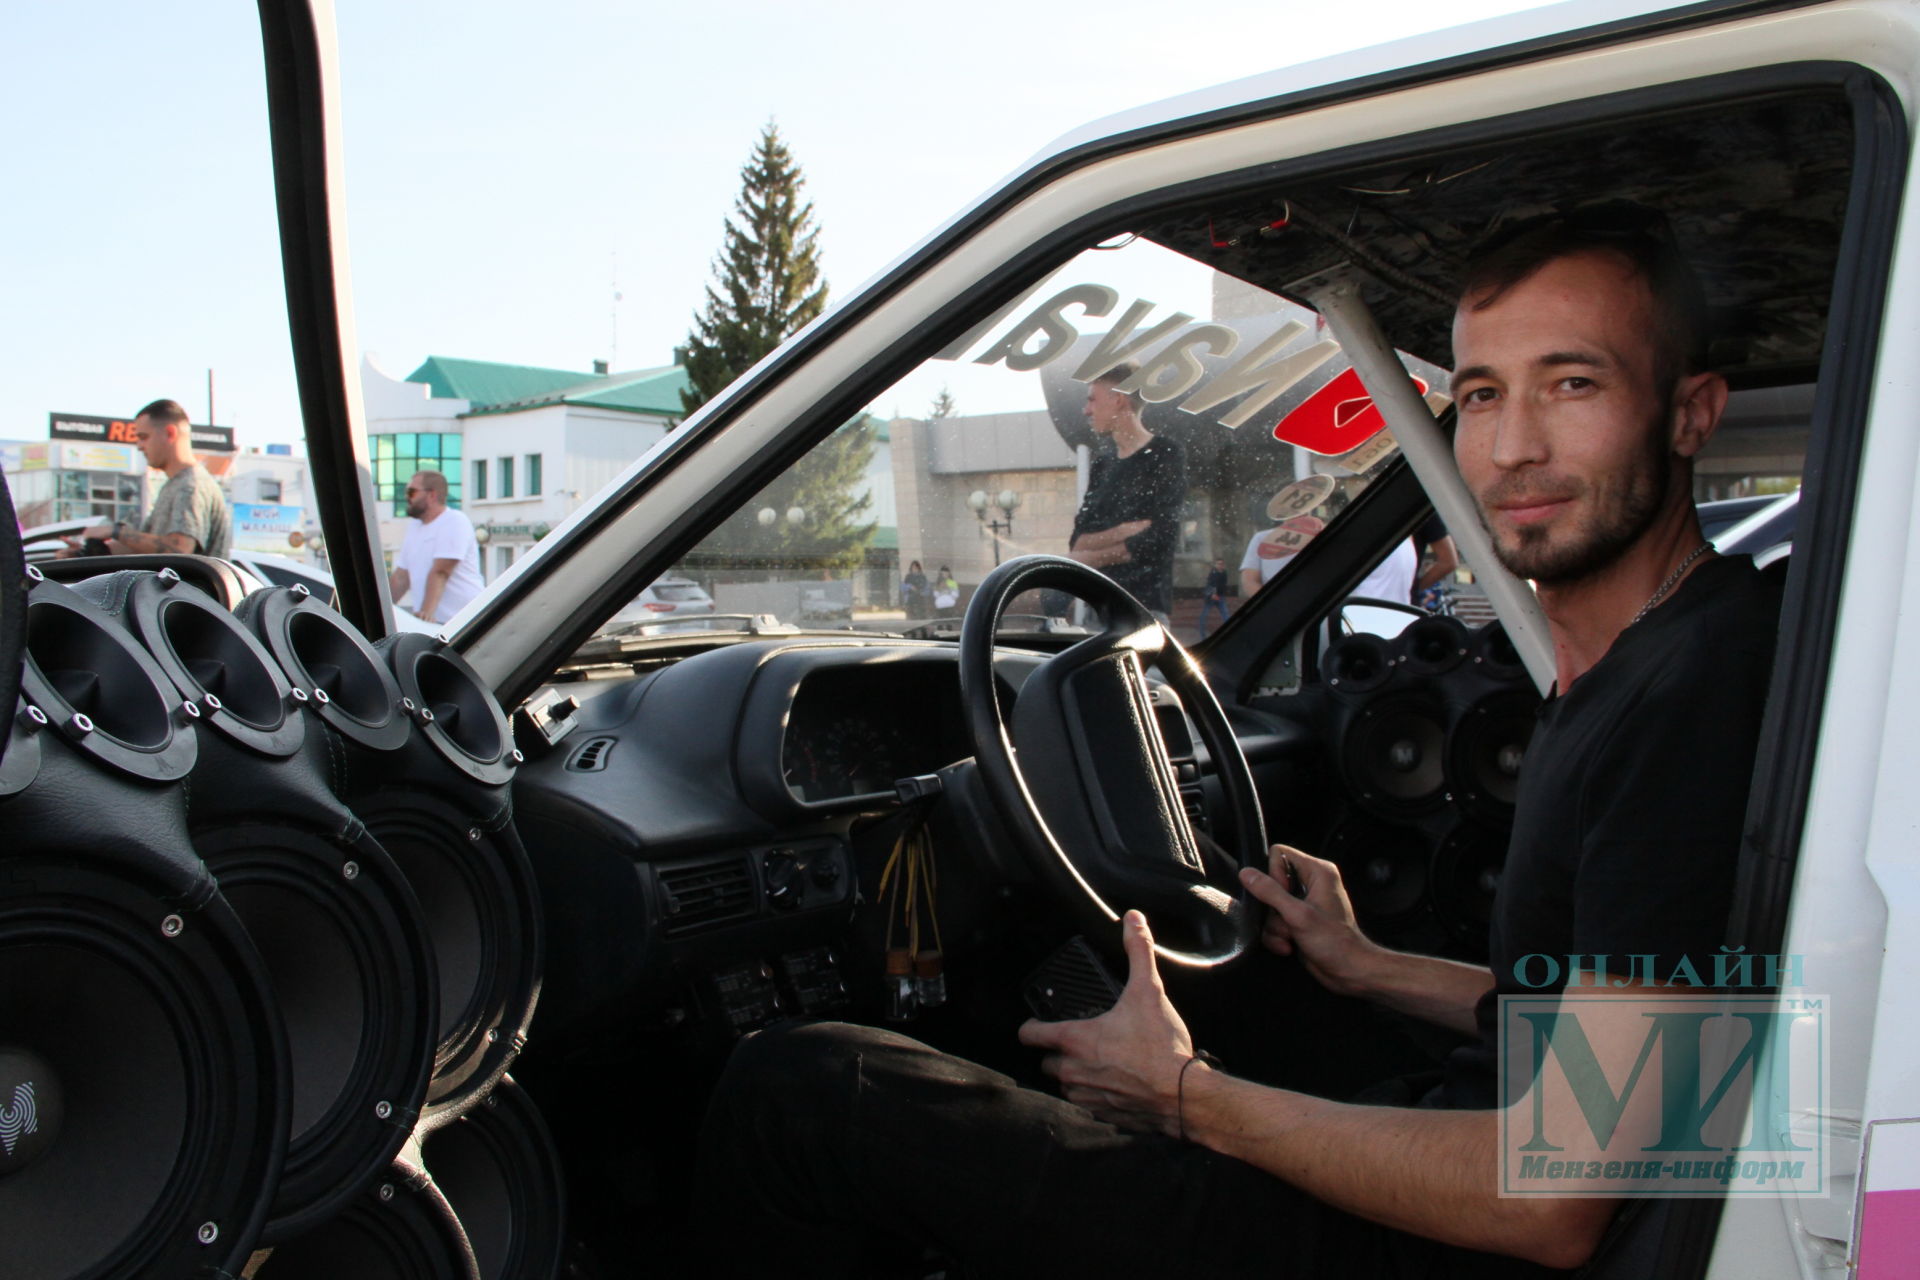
[(1138, 940)]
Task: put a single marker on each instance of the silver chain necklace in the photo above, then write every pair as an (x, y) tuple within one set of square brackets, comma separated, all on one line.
[(1661, 592)]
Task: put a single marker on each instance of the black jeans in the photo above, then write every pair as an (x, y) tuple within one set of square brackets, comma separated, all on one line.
[(825, 1138)]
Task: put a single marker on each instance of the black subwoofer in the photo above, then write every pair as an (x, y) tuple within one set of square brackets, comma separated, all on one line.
[(500, 1172), (402, 1228), (146, 1088)]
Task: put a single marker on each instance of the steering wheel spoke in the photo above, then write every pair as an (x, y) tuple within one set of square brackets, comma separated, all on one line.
[(1082, 774)]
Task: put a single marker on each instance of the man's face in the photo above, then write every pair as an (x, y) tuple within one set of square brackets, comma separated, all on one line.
[(1104, 407), (1565, 435), (417, 497), (154, 440)]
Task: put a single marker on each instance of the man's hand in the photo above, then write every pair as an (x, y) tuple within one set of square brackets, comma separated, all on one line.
[(1320, 927), (1124, 1066)]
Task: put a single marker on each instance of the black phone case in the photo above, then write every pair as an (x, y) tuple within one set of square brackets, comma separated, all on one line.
[(1070, 984)]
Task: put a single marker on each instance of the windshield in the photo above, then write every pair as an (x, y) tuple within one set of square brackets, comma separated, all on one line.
[(1186, 433)]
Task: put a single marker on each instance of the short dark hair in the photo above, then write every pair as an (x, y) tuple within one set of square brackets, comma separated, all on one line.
[(432, 482), (1119, 374), (1634, 234), (165, 411)]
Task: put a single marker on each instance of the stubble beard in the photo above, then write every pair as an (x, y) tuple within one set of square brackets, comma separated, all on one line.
[(1624, 508)]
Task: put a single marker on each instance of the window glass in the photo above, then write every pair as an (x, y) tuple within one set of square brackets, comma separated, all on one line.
[(400, 456), (506, 477), (480, 480), (533, 475), (1021, 441)]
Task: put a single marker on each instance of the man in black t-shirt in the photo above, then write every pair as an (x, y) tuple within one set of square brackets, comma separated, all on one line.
[(1128, 525), (1582, 404)]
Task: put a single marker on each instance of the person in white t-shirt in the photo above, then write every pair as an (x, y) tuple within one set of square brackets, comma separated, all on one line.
[(438, 567), (1391, 579)]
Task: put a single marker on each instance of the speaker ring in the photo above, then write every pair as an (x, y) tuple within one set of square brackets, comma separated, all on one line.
[(143, 708), (1357, 664), (1432, 645), (466, 725), (199, 979), (1465, 880), (21, 764), (517, 1226), (257, 709), (363, 702)]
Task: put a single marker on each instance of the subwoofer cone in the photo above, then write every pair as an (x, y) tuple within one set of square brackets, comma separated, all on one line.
[(499, 1170), (1466, 880), (167, 1088), (1493, 653), (343, 939), (1383, 866), (458, 714), (1487, 749), (1393, 754), (402, 1229), (477, 894)]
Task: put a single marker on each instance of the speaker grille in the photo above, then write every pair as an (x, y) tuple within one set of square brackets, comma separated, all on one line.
[(1487, 750)]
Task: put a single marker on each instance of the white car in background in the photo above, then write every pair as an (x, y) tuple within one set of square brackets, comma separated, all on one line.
[(665, 598)]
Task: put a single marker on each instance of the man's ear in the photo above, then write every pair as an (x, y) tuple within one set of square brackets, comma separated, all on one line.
[(1698, 401)]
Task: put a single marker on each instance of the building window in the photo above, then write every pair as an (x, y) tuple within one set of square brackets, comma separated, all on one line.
[(533, 475), (506, 477), (479, 479), (397, 457), (502, 559), (270, 491)]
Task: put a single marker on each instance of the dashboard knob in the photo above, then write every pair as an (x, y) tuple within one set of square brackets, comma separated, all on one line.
[(783, 880)]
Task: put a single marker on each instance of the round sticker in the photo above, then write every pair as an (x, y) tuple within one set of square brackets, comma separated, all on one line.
[(1299, 498)]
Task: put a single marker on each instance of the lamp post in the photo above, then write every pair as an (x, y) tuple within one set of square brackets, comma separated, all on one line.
[(1006, 500)]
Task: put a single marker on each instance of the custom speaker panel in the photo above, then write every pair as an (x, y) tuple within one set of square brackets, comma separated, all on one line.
[(499, 1170), (322, 655), (335, 921)]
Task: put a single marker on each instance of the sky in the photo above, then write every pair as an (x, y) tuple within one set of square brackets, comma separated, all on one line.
[(510, 167)]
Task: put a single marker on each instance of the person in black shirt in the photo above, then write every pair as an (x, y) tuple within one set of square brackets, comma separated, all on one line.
[(1128, 525), (1582, 405)]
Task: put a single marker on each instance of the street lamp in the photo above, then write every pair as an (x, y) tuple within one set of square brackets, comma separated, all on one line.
[(1006, 500)]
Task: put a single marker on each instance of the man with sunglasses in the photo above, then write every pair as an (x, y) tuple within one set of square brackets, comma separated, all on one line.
[(437, 569), (1583, 402)]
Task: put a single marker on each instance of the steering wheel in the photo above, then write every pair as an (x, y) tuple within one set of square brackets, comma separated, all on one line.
[(1082, 779)]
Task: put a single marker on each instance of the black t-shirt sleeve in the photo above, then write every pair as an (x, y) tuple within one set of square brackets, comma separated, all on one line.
[(1430, 532), (1663, 807)]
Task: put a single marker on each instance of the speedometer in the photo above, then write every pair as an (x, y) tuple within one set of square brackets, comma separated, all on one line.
[(845, 755)]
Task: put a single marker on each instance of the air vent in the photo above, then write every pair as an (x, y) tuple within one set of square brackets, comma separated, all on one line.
[(704, 894), (591, 757)]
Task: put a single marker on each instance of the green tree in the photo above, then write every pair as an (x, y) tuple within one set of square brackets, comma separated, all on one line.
[(943, 406), (767, 280)]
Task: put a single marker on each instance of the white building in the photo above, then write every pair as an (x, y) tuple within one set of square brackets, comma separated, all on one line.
[(520, 446)]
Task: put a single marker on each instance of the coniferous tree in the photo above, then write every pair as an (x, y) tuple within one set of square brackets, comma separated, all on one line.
[(767, 279)]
